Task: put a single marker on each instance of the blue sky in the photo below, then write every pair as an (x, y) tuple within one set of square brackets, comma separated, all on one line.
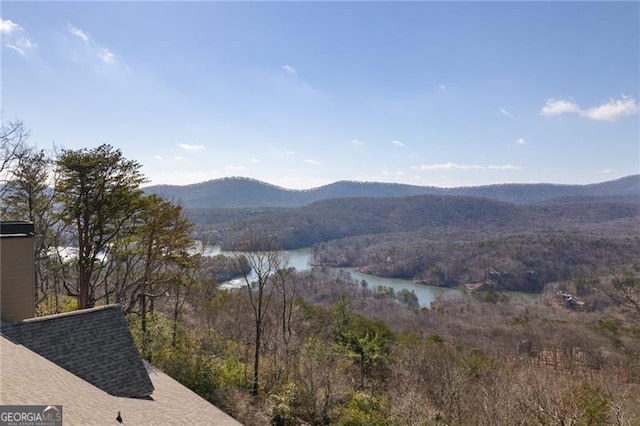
[(301, 94)]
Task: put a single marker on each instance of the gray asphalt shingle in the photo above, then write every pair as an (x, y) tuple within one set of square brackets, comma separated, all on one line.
[(93, 344)]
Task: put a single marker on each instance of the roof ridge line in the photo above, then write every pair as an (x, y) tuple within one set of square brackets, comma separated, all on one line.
[(68, 314)]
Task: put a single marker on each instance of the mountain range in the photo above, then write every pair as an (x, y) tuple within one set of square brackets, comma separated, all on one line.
[(249, 193)]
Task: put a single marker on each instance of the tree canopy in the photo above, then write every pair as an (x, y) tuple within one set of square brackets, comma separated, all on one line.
[(98, 192)]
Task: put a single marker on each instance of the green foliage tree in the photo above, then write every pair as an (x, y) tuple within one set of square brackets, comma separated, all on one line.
[(367, 342), (363, 410), (98, 193), (592, 406), (151, 257), (408, 298)]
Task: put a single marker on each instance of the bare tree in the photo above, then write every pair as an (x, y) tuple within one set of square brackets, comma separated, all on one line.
[(13, 138), (622, 289), (258, 258), (28, 195)]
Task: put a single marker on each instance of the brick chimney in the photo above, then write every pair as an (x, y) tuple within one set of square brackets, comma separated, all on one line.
[(17, 286)]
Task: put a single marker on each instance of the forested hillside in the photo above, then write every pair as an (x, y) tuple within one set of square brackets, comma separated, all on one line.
[(445, 240), (340, 218), (242, 192)]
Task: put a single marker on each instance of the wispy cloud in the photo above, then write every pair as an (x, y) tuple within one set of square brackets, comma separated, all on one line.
[(504, 167), (254, 160), (235, 168), (15, 37), (506, 113), (454, 166), (521, 141), (188, 147), (613, 110), (442, 86), (78, 33), (105, 55), (560, 106), (176, 177), (397, 143), (605, 171), (22, 46), (313, 162), (180, 158), (158, 157), (357, 142), (289, 69)]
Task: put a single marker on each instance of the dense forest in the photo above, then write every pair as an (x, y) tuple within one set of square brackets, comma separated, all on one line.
[(319, 347), (449, 241)]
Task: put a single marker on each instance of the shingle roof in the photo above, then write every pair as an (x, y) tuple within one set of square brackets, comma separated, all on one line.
[(93, 344), (26, 378)]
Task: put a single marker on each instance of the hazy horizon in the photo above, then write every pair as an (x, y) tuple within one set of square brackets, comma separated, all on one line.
[(148, 184)]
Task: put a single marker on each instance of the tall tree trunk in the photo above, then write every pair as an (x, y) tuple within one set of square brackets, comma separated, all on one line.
[(176, 311), (143, 322), (83, 283), (256, 359)]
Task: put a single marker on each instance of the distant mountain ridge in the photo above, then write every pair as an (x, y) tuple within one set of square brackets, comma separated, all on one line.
[(245, 192)]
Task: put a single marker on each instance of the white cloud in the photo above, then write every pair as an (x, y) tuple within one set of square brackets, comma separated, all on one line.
[(506, 113), (14, 48), (560, 106), (9, 27), (448, 166), (25, 44), (442, 86), (181, 177), (454, 166), (313, 162), (235, 168), (78, 33), (504, 167), (289, 153), (180, 158), (397, 143), (357, 142), (605, 171), (254, 160), (158, 157), (188, 147), (15, 38), (106, 56), (289, 69), (613, 110), (521, 141)]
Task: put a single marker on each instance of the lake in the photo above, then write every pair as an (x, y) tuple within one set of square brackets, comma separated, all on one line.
[(300, 259)]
